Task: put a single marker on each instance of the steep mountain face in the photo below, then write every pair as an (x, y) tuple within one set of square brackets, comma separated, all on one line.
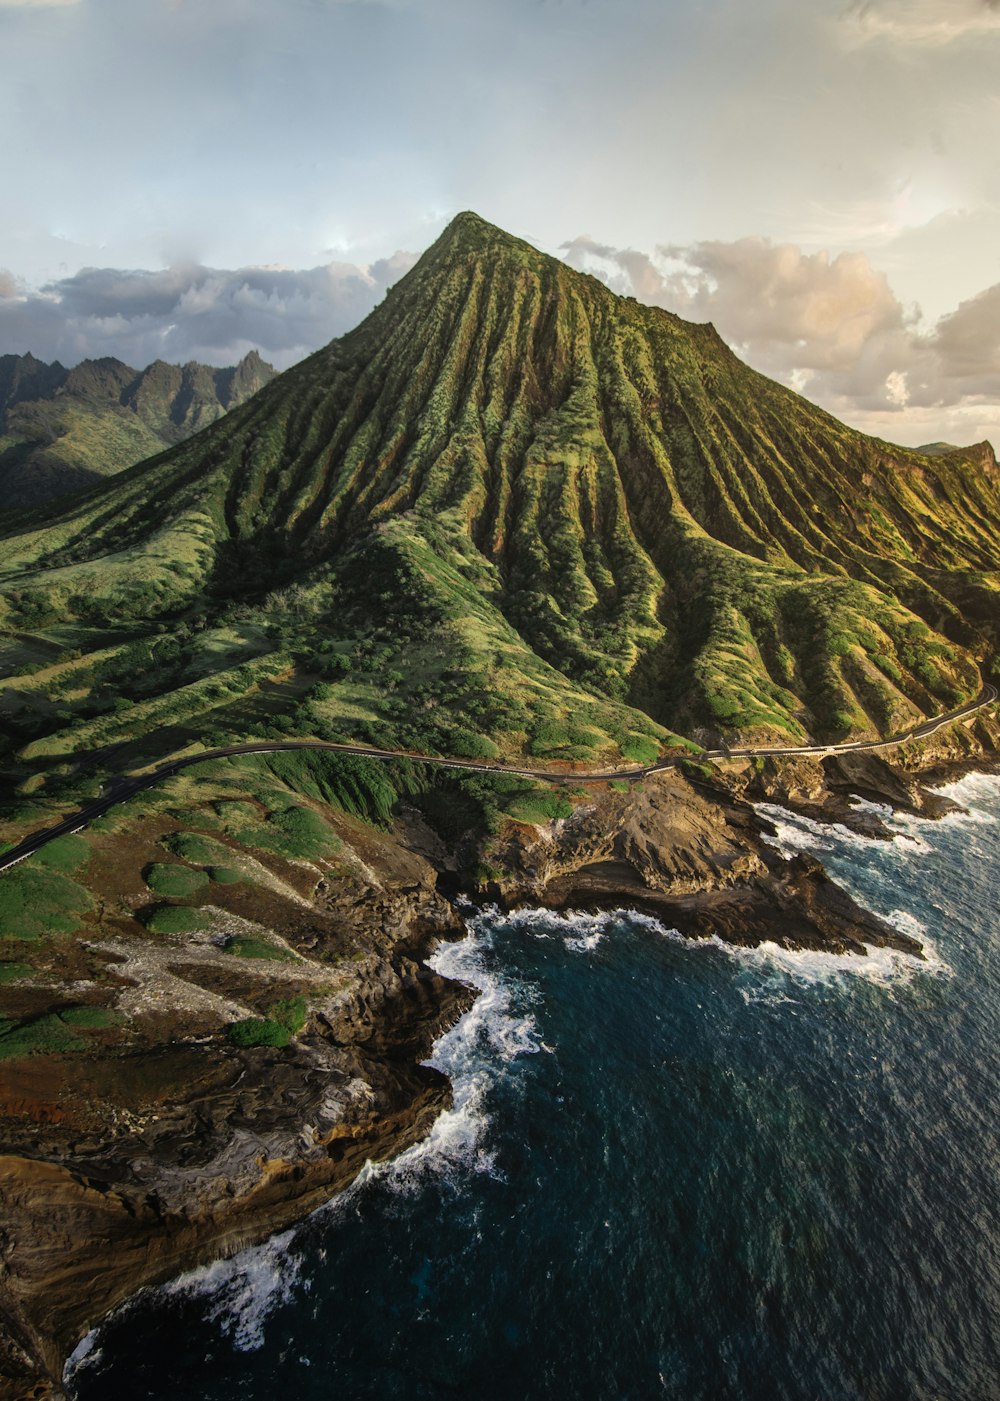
[(589, 506), (61, 430)]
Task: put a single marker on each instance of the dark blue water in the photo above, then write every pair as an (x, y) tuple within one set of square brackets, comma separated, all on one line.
[(672, 1171)]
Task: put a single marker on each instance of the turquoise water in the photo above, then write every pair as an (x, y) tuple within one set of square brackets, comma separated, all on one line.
[(672, 1170)]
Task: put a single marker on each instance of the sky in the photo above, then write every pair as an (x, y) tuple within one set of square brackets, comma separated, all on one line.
[(190, 179)]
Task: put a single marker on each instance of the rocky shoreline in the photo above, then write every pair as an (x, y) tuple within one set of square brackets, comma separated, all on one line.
[(102, 1196)]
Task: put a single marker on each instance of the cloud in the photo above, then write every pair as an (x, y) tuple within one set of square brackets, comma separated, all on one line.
[(831, 328), (967, 342), (922, 22), (8, 284), (193, 312), (35, 4), (786, 304)]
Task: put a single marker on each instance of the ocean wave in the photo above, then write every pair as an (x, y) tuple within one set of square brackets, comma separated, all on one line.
[(579, 930), (582, 932), (794, 832), (972, 789), (240, 1292), (243, 1291), (474, 1054)]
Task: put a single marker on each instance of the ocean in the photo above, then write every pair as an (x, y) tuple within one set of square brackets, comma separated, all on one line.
[(672, 1170)]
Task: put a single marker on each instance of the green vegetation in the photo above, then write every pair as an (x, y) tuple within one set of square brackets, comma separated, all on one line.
[(93, 1018), (175, 882), (52, 1033), (283, 1021), (65, 854), (196, 849), (36, 903), (542, 806), (225, 875), (61, 430), (250, 947), (175, 919), (11, 971), (37, 1036), (510, 514)]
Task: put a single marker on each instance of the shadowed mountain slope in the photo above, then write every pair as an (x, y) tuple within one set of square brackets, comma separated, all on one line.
[(589, 507), (62, 430)]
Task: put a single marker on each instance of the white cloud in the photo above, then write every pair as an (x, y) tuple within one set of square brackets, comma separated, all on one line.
[(783, 304), (923, 22), (896, 390), (193, 312), (35, 4)]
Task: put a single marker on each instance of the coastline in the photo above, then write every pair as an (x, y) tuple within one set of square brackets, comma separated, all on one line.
[(695, 855)]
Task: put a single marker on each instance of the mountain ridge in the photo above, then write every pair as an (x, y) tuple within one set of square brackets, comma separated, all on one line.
[(62, 430), (569, 524)]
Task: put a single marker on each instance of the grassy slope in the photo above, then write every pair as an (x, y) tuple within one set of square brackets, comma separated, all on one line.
[(62, 431), (510, 511)]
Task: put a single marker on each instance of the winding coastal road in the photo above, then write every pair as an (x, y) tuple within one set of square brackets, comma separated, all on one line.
[(124, 787)]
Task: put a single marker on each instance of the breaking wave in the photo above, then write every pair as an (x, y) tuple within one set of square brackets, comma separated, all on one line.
[(496, 1031)]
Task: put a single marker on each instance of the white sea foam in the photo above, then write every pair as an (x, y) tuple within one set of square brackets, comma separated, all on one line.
[(973, 789), (243, 1291), (474, 1054), (794, 832), (769, 960), (240, 1293), (580, 931), (85, 1354)]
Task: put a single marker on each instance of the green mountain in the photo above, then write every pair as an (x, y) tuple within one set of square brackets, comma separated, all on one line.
[(510, 512), (61, 430)]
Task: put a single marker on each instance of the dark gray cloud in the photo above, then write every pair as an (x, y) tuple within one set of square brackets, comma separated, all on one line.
[(192, 313), (967, 342)]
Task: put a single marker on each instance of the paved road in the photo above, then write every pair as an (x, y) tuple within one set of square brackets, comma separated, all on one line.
[(122, 788)]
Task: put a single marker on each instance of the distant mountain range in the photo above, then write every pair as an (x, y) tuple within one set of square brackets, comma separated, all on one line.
[(61, 430)]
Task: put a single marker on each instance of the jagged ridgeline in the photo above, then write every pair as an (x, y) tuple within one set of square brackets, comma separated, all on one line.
[(532, 514), (62, 430)]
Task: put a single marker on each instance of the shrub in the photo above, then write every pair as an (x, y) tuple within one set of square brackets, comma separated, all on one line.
[(290, 1012), (35, 903), (175, 919), (65, 854), (10, 971), (175, 882), (640, 749), (258, 1031), (283, 1020), (38, 1036), (461, 743), (94, 1018), (538, 807), (225, 875), (297, 832), (258, 948), (195, 848)]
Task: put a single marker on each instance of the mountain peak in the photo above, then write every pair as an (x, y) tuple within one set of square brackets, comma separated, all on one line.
[(469, 232), (650, 517)]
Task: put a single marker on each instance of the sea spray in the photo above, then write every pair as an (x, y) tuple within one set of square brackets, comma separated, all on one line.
[(496, 1030)]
